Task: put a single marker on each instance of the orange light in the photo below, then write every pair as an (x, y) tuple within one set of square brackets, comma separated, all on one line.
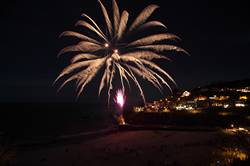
[(121, 120), (243, 97)]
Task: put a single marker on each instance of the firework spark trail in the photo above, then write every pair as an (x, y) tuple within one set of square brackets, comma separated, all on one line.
[(120, 98), (112, 52), (120, 101)]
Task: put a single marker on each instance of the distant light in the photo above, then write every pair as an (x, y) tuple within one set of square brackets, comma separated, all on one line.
[(217, 105), (186, 94), (195, 111), (184, 107), (219, 98), (115, 51), (200, 98), (106, 45), (213, 97), (138, 109), (243, 97), (243, 129), (165, 110), (240, 105), (224, 113), (244, 90)]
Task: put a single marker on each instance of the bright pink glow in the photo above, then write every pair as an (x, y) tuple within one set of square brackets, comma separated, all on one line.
[(120, 98)]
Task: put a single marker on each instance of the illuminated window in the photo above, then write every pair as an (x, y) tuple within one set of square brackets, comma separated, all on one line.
[(243, 97)]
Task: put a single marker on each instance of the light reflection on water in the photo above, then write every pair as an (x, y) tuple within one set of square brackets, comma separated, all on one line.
[(227, 156), (234, 147)]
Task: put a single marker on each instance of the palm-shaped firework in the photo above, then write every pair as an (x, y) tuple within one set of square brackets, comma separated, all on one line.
[(111, 52)]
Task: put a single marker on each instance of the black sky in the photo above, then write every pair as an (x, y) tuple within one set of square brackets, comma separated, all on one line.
[(217, 35)]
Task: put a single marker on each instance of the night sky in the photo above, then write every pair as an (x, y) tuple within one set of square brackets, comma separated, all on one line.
[(217, 35)]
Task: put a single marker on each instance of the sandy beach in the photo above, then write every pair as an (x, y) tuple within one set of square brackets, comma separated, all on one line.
[(127, 148)]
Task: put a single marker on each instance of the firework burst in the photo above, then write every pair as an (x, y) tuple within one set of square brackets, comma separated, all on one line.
[(110, 53)]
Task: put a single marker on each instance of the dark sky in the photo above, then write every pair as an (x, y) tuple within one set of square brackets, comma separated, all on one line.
[(217, 35)]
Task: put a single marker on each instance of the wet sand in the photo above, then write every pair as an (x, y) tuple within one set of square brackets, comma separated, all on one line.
[(126, 148)]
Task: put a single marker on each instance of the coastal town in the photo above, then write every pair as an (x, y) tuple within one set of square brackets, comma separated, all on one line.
[(202, 99)]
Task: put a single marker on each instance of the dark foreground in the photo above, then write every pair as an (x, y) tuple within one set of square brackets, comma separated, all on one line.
[(128, 148), (55, 136), (142, 148), (146, 147)]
